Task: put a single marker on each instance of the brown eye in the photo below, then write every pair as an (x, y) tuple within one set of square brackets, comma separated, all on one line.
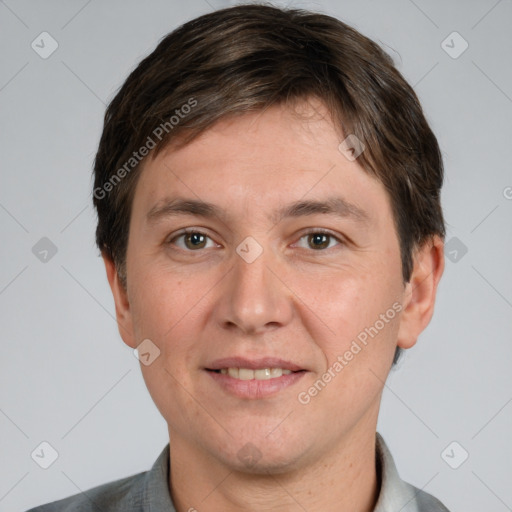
[(195, 240), (192, 241), (319, 240)]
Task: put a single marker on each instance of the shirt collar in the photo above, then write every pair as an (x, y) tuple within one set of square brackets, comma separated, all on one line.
[(156, 495), (394, 494)]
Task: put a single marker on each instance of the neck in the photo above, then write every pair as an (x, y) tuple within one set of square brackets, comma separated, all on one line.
[(343, 479)]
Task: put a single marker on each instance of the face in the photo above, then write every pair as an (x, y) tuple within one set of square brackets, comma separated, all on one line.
[(264, 266)]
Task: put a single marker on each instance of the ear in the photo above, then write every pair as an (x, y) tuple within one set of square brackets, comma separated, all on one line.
[(123, 312), (420, 293)]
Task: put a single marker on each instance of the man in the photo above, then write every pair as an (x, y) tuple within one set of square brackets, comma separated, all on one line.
[(268, 198)]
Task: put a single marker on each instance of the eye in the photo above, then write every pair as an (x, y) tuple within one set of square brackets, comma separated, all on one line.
[(192, 240), (320, 240)]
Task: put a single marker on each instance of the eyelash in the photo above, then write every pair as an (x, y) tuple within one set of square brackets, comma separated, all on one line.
[(188, 231)]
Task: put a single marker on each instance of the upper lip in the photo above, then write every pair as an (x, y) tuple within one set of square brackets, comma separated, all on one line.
[(253, 364)]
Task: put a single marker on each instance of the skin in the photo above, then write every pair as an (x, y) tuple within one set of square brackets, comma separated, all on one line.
[(294, 301)]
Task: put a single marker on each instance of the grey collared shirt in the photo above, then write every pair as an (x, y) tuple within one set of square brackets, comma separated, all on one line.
[(149, 491)]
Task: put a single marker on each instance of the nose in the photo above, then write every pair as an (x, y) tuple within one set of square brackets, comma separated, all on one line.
[(254, 298)]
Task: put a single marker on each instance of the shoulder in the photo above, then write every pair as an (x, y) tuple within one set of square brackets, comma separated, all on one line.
[(123, 495), (144, 491)]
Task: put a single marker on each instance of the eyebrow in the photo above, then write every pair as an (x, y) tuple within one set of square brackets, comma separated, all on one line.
[(336, 206)]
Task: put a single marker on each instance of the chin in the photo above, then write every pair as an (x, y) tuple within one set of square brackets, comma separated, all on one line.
[(266, 465), (263, 456)]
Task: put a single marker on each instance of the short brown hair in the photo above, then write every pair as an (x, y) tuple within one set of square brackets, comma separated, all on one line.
[(247, 58)]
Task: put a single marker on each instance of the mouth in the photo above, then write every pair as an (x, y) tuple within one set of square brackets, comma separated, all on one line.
[(253, 379), (258, 374)]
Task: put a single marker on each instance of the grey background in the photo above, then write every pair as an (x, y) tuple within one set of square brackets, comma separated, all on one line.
[(65, 375)]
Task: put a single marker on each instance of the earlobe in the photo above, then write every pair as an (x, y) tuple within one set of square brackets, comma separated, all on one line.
[(420, 294), (122, 304)]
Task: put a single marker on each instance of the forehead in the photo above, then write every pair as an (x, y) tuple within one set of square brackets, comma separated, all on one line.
[(261, 159)]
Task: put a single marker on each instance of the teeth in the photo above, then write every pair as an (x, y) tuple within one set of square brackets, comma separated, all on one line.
[(264, 374), (245, 374), (260, 374), (233, 372)]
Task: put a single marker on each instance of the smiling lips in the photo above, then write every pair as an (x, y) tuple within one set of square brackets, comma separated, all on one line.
[(254, 378), (259, 374), (265, 364)]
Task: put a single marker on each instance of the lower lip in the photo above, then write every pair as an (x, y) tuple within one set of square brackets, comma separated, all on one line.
[(254, 389)]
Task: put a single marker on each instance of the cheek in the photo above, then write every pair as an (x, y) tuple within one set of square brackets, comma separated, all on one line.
[(346, 307), (171, 310), (345, 300), (157, 304), (169, 314)]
